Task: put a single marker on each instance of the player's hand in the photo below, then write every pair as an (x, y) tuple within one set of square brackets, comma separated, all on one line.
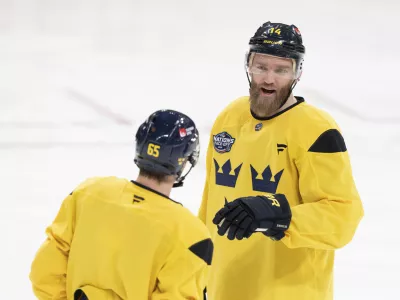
[(242, 217)]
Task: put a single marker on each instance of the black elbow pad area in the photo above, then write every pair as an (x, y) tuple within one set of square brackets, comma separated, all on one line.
[(331, 141), (203, 249), (80, 295)]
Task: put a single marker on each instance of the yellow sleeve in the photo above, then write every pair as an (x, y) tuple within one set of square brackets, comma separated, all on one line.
[(331, 208), (185, 274), (203, 207), (49, 267)]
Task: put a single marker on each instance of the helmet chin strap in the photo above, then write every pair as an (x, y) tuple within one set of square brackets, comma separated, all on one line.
[(290, 91), (180, 179), (248, 78)]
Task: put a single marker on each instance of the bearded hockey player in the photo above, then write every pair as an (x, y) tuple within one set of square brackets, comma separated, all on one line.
[(279, 196), (120, 239)]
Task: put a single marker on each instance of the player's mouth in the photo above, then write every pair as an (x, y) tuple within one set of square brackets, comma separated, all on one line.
[(267, 92)]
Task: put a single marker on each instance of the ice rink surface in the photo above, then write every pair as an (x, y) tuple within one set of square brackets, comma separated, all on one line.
[(78, 77)]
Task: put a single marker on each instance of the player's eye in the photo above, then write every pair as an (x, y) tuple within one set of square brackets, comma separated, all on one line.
[(282, 71), (261, 68)]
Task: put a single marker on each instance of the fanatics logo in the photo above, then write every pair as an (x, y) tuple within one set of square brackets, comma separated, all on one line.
[(137, 198), (281, 147)]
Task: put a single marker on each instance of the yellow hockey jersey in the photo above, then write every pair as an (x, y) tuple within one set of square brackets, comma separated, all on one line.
[(298, 152), (117, 239)]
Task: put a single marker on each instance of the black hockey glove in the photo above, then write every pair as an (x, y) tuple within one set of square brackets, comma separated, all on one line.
[(242, 217)]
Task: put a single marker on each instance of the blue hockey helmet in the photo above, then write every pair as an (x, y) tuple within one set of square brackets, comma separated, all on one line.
[(278, 39), (165, 141)]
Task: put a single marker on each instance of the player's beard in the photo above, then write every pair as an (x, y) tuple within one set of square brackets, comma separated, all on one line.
[(264, 106)]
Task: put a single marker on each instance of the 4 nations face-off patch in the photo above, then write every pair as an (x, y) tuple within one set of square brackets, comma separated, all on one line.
[(223, 142)]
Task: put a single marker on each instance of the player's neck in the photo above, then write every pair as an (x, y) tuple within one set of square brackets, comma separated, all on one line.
[(163, 188), (290, 101)]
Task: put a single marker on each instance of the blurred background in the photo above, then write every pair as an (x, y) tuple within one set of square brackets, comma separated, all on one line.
[(77, 77)]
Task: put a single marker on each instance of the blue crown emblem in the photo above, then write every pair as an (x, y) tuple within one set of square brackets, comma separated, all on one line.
[(265, 184), (223, 142), (225, 178)]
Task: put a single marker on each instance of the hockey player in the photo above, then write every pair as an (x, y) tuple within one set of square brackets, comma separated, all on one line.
[(120, 239), (278, 165)]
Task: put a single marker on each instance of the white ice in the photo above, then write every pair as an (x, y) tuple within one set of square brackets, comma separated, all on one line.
[(130, 58)]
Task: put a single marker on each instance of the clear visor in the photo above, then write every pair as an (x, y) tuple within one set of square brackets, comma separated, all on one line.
[(263, 65)]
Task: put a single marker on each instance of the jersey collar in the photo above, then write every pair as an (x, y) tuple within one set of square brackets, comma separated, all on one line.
[(299, 100)]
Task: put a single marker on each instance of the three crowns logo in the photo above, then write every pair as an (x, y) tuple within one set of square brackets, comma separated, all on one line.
[(229, 178), (265, 184), (225, 178)]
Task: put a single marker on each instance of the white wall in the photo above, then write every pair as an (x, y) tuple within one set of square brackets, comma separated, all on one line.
[(192, 51)]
